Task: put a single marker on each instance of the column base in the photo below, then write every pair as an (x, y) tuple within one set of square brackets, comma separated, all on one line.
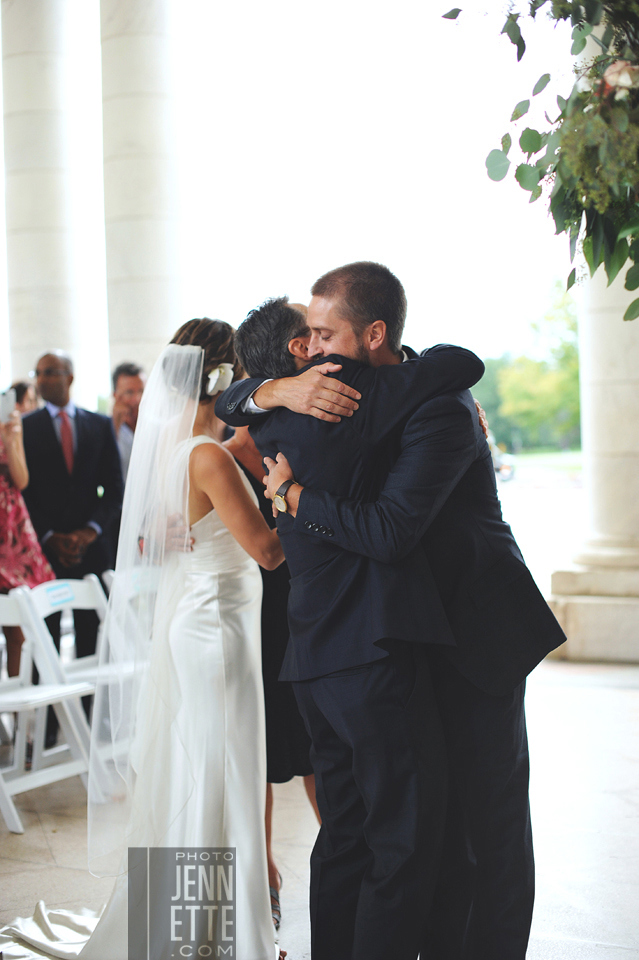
[(598, 609)]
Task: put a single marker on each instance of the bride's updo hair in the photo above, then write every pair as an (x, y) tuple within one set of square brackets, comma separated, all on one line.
[(216, 339)]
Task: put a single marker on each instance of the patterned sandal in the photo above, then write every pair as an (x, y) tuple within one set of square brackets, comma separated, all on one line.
[(276, 910)]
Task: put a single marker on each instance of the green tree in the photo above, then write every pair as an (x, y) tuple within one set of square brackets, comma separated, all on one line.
[(542, 396), (505, 430)]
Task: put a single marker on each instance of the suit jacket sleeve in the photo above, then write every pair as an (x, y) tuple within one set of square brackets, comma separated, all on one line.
[(438, 446), (228, 406), (400, 389), (109, 478)]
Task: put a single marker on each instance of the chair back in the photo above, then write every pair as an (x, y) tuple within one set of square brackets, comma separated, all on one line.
[(56, 595)]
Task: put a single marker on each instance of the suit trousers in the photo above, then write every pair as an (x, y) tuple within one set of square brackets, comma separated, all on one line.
[(484, 899), (379, 763)]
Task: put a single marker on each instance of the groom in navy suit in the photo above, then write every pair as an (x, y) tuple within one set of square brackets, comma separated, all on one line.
[(501, 625), (356, 654)]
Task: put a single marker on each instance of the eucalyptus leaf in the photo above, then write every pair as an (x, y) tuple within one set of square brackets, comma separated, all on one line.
[(521, 108), (630, 229), (587, 248), (577, 46), (541, 84), (535, 194), (497, 164), (452, 14), (632, 277), (633, 311), (506, 142), (594, 11), (530, 141), (620, 119), (597, 239), (571, 279), (582, 30), (527, 176), (561, 103), (617, 260)]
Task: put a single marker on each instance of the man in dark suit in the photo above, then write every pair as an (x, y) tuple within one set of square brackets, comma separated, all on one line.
[(443, 484), (75, 489), (356, 628)]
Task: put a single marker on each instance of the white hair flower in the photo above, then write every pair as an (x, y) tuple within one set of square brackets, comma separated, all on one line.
[(220, 378)]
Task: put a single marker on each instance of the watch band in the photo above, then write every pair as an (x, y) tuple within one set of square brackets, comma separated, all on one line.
[(281, 491)]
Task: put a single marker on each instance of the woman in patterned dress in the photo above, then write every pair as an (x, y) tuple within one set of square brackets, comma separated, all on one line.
[(22, 562)]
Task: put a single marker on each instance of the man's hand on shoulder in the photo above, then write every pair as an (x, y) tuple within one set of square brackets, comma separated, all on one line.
[(483, 420), (311, 392)]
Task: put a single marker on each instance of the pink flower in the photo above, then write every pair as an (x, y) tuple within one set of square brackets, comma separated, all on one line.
[(623, 74)]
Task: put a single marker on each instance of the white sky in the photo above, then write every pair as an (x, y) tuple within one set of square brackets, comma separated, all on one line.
[(310, 135)]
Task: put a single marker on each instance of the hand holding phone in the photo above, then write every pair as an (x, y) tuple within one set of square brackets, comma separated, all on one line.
[(7, 405)]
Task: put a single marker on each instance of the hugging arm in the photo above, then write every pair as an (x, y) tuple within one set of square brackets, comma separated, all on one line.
[(438, 446), (310, 391)]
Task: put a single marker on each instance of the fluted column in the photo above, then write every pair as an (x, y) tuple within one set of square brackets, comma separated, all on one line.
[(598, 600), (139, 179), (42, 307)]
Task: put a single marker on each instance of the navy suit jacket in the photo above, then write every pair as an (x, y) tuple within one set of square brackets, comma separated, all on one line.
[(61, 502), (341, 603), (441, 493)]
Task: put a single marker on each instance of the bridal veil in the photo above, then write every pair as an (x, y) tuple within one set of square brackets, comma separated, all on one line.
[(127, 791)]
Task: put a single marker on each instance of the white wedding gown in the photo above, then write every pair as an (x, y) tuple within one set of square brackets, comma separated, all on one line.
[(206, 664)]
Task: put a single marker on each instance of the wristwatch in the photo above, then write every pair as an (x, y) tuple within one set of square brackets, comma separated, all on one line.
[(279, 500)]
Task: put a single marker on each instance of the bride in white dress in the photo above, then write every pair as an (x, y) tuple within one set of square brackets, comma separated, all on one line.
[(178, 741)]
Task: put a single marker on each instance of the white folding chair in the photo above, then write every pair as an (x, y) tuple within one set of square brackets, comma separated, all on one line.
[(108, 577), (19, 695), (57, 595)]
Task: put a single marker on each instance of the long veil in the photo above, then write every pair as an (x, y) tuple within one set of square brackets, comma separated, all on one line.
[(126, 793)]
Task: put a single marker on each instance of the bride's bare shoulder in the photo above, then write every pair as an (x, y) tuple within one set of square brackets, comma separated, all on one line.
[(211, 456)]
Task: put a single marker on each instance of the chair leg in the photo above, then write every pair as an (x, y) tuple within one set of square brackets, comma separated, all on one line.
[(5, 736), (38, 737), (8, 810)]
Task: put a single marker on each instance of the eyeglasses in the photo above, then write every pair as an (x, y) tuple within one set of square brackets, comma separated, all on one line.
[(49, 372)]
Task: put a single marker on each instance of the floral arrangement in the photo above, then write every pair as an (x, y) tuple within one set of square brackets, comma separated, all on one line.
[(587, 160)]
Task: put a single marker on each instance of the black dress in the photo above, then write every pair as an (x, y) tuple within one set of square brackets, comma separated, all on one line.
[(287, 742)]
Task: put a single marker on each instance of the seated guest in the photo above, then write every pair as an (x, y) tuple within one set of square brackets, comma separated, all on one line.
[(26, 400), (22, 562), (75, 487), (128, 386)]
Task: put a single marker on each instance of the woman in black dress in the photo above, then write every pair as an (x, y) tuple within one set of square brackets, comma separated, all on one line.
[(287, 742)]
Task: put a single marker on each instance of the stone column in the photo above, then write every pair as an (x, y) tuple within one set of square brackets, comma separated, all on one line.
[(597, 602), (42, 308), (139, 179)]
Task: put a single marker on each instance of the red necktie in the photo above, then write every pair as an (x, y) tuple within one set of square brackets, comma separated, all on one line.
[(66, 439)]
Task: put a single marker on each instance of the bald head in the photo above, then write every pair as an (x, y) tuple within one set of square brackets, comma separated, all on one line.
[(54, 376)]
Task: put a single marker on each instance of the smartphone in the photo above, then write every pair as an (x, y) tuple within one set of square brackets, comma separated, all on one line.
[(7, 405)]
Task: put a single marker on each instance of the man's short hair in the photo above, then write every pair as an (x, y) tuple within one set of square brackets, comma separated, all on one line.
[(366, 292), (125, 370), (261, 341)]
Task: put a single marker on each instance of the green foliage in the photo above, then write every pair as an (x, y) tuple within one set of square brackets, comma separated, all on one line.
[(535, 402), (602, 157), (587, 161), (497, 164), (522, 107), (541, 84)]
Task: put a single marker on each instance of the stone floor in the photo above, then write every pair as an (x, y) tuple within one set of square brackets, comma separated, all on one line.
[(584, 735)]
